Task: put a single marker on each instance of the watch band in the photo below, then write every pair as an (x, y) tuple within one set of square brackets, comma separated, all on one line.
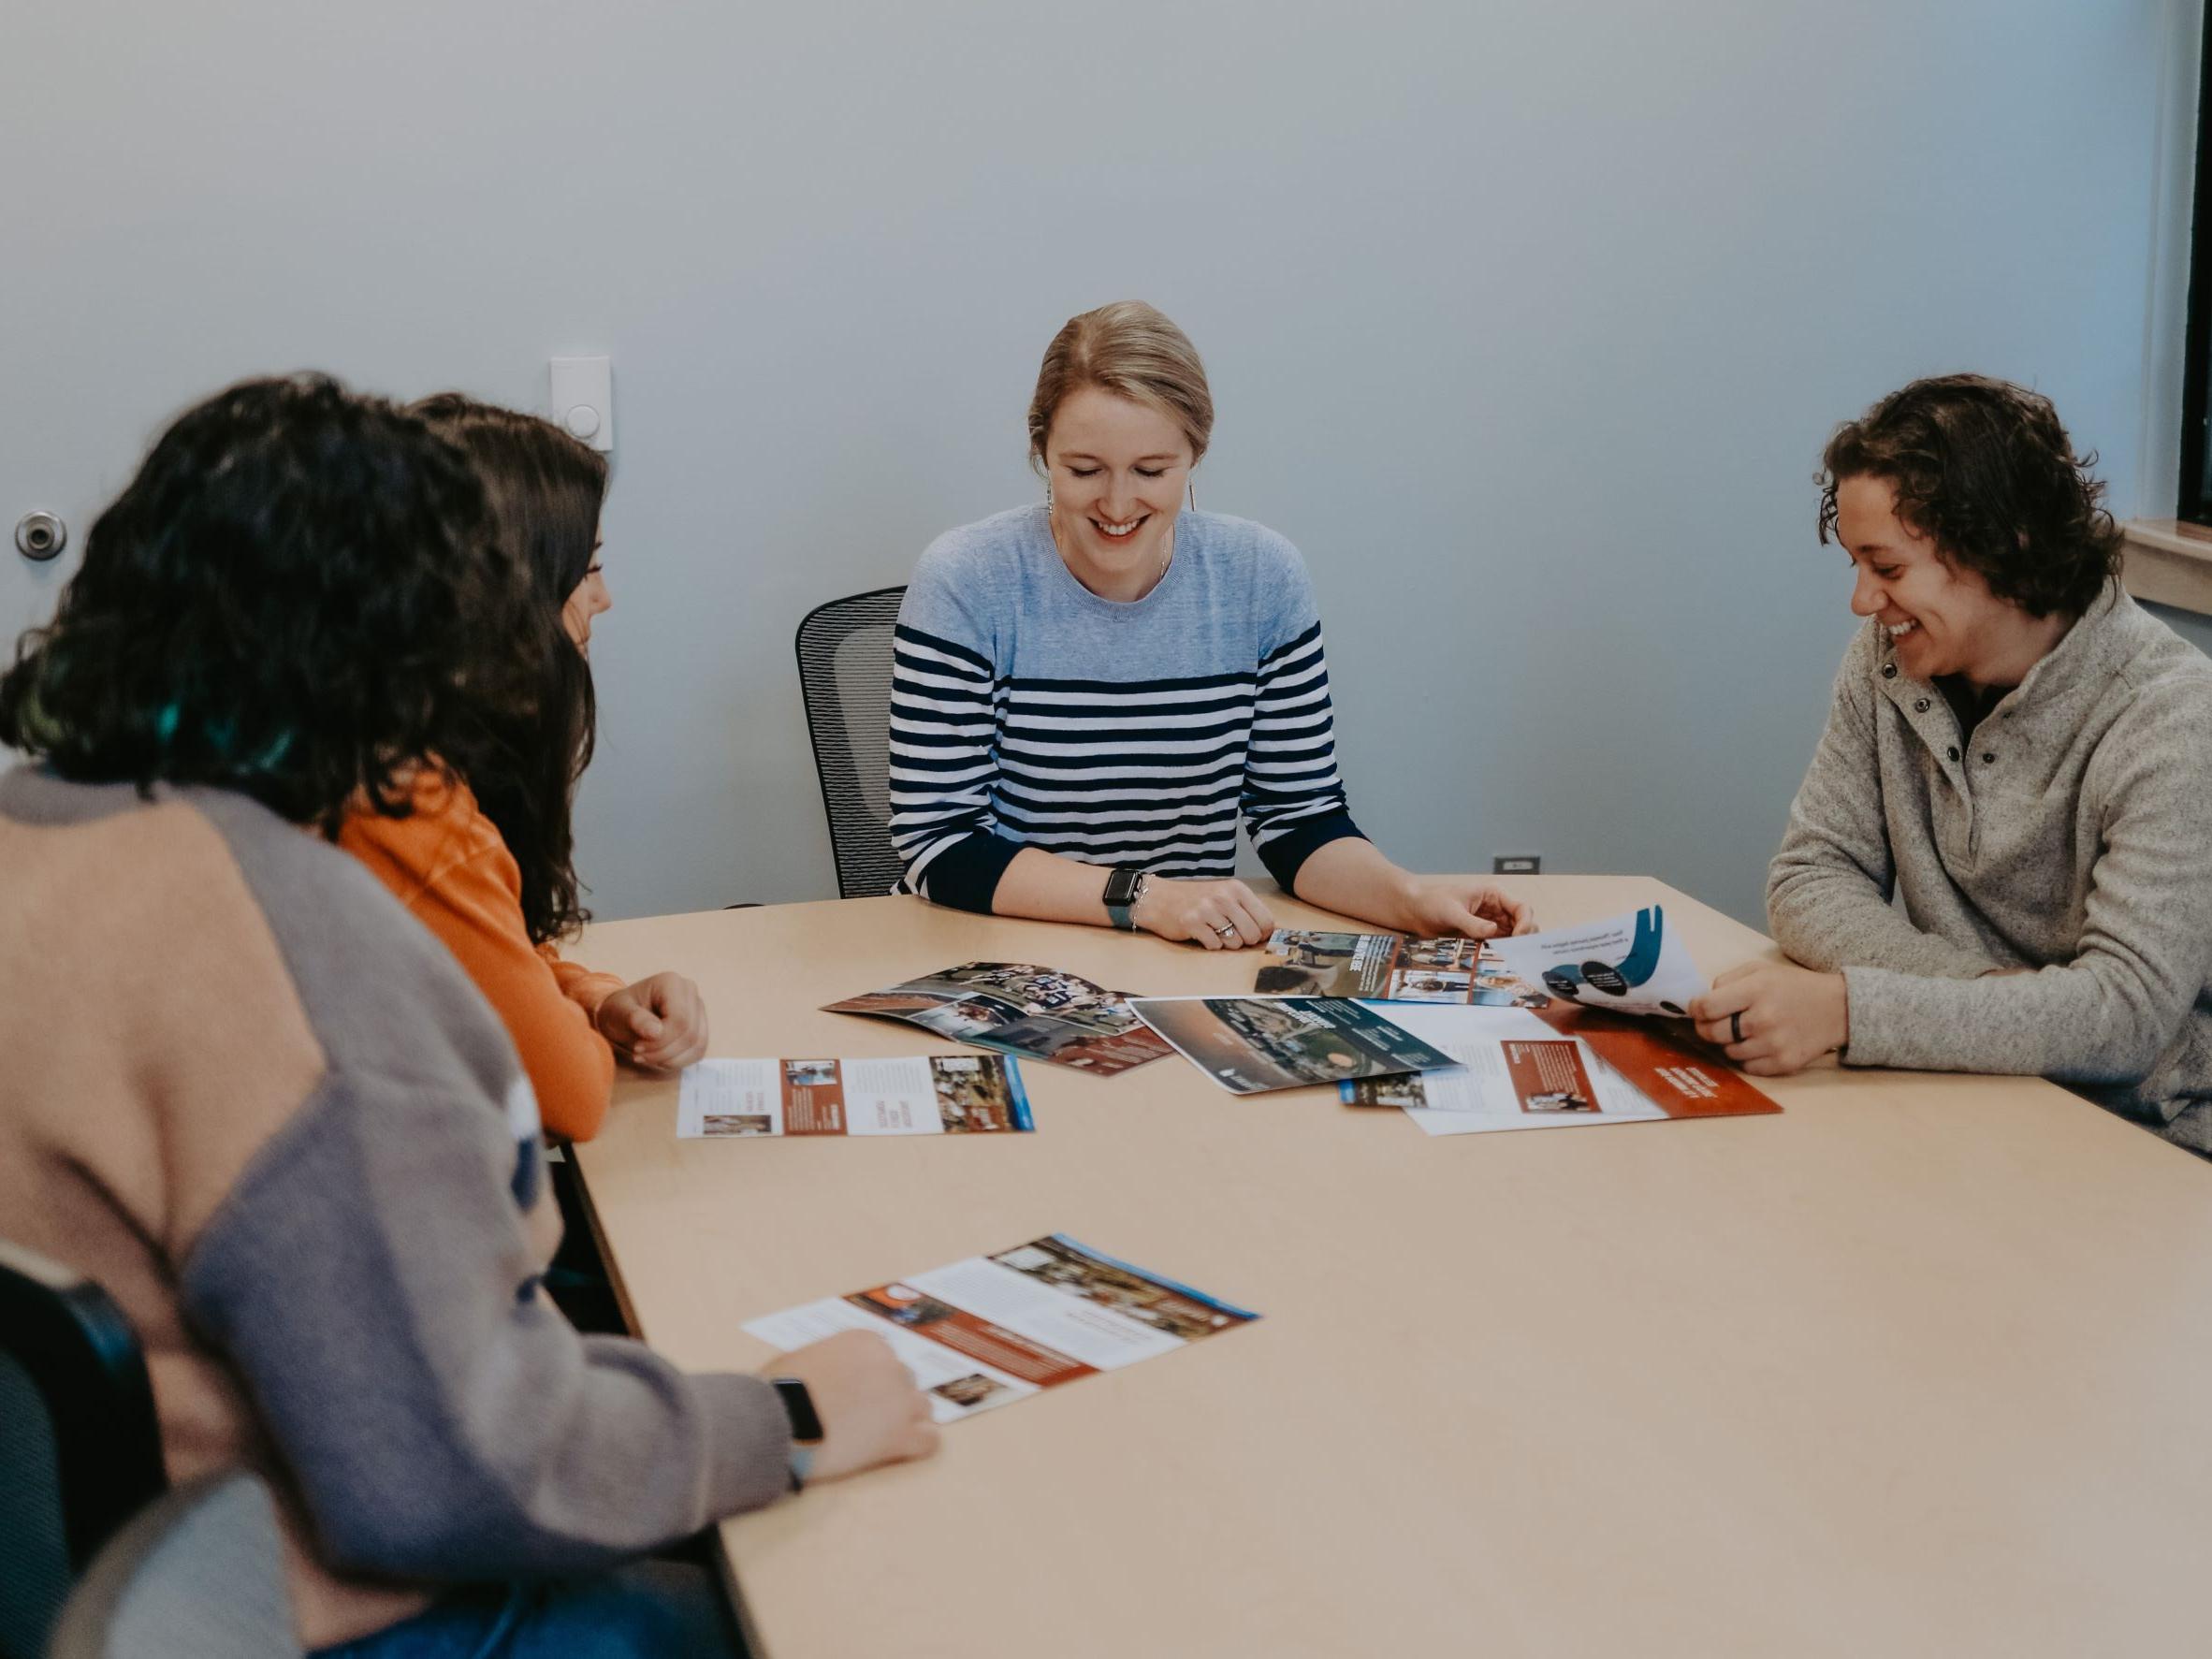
[(806, 1427), (1123, 889)]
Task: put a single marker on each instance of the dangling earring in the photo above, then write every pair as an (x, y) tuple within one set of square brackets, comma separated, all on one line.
[(1192, 486), (1048, 497)]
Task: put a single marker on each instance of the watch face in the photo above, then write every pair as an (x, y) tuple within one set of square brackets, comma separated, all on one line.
[(1121, 887), (806, 1428)]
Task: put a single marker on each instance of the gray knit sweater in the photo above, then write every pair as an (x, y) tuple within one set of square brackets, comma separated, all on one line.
[(2068, 833)]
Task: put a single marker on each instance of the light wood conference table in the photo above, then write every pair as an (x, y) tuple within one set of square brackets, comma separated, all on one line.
[(1920, 1366)]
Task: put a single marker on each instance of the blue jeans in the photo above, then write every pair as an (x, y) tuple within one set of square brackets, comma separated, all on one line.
[(640, 1612)]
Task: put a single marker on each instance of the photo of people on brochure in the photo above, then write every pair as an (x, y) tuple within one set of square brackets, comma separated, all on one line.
[(1161, 1304), (1040, 1013), (1391, 967), (912, 1094), (990, 1330), (1248, 1044)]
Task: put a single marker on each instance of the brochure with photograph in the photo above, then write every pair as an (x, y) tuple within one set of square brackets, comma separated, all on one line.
[(1631, 964), (992, 1330), (1391, 968), (923, 1095), (1037, 1012), (1248, 1044), (1520, 1072)]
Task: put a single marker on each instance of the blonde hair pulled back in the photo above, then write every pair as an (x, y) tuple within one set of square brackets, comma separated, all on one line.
[(1130, 349)]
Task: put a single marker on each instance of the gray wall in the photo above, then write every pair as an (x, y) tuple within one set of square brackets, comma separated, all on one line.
[(1527, 322)]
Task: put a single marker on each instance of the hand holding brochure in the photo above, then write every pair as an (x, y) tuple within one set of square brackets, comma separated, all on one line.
[(924, 1095), (1630, 964), (993, 1330), (1251, 1044), (1037, 1012)]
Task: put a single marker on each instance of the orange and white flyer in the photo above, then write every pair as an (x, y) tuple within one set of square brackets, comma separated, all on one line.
[(1519, 1071), (924, 1095), (992, 1330)]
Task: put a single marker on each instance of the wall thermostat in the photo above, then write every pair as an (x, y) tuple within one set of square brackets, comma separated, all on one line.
[(582, 402)]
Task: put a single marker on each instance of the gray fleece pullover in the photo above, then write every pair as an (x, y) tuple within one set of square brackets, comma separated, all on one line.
[(2068, 833)]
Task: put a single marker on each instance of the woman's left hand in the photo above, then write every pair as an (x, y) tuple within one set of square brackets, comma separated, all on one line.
[(1436, 907), (1773, 1018), (658, 1022)]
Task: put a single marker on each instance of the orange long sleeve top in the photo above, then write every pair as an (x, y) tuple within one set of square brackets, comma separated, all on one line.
[(448, 865)]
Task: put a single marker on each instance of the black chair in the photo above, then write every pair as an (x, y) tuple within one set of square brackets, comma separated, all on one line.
[(80, 1443), (198, 1575), (845, 675)]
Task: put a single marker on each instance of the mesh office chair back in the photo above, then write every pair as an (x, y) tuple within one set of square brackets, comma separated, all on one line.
[(80, 1444), (845, 675)]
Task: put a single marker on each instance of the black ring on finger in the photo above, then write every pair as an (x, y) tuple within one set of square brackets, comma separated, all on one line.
[(1735, 1027)]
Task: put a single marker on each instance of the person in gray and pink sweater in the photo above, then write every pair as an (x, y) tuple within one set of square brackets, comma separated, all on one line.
[(2000, 859), (260, 1104)]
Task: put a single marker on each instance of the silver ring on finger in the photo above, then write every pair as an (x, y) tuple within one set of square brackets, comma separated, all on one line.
[(1226, 929), (1735, 1027)]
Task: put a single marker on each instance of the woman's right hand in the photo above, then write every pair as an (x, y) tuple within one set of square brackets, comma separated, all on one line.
[(871, 1412), (1219, 915)]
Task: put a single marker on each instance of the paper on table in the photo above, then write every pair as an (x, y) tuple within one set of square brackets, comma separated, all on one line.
[(1040, 1013), (1631, 964), (992, 1330), (1390, 967), (1515, 1072), (1251, 1044), (918, 1095)]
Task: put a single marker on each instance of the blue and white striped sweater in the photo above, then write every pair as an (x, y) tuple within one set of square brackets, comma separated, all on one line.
[(1028, 711)]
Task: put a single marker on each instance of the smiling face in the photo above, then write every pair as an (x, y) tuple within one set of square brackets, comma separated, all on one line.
[(1940, 617), (1118, 469)]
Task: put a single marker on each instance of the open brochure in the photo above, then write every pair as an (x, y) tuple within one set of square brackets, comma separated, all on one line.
[(922, 1095), (1037, 1012), (996, 1328), (1521, 1071), (1633, 963), (1391, 968), (1251, 1044)]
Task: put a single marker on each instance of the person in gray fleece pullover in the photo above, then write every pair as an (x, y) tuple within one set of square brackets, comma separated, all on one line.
[(2001, 858)]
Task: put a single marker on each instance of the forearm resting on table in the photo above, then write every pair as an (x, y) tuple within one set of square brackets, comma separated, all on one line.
[(1352, 877), (1045, 887)]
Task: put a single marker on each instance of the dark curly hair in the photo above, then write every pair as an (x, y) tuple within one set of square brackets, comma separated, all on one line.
[(293, 599), (545, 489), (1984, 467)]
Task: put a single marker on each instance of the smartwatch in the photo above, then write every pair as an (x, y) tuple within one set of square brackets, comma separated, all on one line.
[(1123, 889), (806, 1427)]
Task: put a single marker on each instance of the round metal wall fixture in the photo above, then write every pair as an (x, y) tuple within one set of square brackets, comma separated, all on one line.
[(40, 536)]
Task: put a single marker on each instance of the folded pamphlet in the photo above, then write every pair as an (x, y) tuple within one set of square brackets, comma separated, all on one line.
[(992, 1330), (1039, 1014), (922, 1095), (1518, 1071), (1247, 1044), (1632, 964), (1392, 968)]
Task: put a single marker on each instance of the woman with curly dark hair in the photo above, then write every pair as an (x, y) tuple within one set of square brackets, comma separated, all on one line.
[(267, 1111), (483, 860), (2016, 751)]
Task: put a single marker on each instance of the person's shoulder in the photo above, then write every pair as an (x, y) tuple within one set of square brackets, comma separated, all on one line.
[(443, 830), (380, 992), (989, 550), (1241, 540), (2159, 661)]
